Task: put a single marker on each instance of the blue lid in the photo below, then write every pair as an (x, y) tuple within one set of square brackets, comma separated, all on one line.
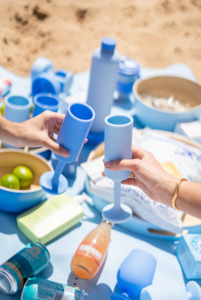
[(108, 44), (128, 66)]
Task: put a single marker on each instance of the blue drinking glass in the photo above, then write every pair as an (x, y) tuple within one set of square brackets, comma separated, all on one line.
[(72, 134)]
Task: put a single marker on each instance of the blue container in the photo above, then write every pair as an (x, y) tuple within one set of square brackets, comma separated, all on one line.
[(118, 143), (44, 102), (129, 72), (102, 82)]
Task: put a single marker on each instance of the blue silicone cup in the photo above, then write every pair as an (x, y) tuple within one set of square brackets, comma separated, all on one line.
[(44, 102), (136, 272), (45, 83), (72, 134), (17, 108), (74, 130), (118, 143)]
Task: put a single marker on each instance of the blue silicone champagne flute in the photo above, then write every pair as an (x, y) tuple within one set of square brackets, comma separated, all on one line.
[(118, 145), (72, 134)]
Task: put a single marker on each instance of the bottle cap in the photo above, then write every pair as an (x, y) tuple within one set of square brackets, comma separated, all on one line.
[(129, 66), (108, 44)]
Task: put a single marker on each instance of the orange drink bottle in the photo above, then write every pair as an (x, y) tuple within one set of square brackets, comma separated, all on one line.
[(92, 251)]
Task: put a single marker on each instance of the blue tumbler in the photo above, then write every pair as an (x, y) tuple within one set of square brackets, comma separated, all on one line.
[(118, 145), (72, 134), (44, 102), (135, 273)]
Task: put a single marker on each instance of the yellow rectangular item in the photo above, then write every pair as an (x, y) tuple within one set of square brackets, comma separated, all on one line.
[(47, 220)]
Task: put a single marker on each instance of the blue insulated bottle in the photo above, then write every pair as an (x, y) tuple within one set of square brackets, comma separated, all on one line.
[(102, 82)]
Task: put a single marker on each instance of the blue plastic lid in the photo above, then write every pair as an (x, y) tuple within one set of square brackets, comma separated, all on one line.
[(128, 66), (108, 44)]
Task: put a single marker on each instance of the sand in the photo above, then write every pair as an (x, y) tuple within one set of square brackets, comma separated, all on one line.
[(156, 33)]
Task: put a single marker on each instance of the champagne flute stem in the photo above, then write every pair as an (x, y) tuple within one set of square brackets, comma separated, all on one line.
[(117, 193), (58, 171)]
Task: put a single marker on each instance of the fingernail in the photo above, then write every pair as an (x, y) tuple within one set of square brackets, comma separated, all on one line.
[(65, 152)]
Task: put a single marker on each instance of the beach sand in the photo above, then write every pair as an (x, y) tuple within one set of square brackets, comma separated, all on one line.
[(156, 33)]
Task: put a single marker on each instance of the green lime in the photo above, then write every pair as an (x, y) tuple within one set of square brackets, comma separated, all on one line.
[(24, 175), (10, 181)]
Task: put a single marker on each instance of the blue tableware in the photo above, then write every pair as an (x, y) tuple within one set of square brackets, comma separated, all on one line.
[(72, 134), (17, 201), (17, 108), (65, 79), (170, 88), (41, 65), (135, 272), (44, 102), (129, 72), (45, 83), (118, 145)]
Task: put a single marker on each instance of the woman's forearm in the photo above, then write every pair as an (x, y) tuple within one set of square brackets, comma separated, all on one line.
[(189, 200)]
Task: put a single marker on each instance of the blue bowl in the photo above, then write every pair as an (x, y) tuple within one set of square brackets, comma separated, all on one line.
[(17, 201), (186, 91)]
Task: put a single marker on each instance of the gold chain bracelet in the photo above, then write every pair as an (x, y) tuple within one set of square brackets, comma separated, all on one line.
[(176, 192)]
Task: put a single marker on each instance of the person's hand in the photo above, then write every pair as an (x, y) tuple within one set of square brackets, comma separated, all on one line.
[(147, 174), (38, 132)]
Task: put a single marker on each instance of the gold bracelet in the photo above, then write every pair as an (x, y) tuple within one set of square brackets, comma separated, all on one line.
[(176, 192)]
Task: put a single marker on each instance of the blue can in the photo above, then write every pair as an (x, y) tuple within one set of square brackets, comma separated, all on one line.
[(28, 262), (43, 289)]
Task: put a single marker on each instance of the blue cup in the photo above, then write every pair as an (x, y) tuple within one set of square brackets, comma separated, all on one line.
[(135, 273), (118, 143), (72, 134), (45, 83), (41, 65), (44, 102), (65, 79), (74, 130), (17, 108)]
